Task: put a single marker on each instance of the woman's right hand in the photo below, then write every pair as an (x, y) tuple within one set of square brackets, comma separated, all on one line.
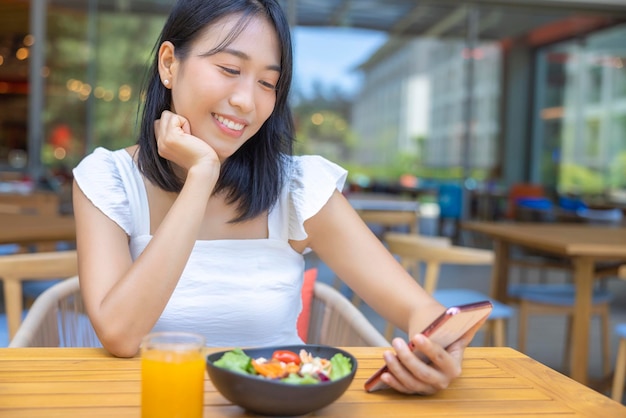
[(176, 144)]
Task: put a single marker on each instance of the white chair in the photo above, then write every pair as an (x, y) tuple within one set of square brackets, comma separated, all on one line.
[(336, 321), (58, 319), (414, 250)]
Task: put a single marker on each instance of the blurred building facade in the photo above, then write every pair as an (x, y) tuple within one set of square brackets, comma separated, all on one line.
[(534, 90), (412, 101), (546, 106)]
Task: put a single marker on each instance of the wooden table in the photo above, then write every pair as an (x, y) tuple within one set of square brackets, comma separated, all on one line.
[(86, 382), (386, 211), (39, 228), (584, 244)]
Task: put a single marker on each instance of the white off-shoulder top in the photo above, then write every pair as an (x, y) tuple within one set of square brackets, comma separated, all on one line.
[(235, 292)]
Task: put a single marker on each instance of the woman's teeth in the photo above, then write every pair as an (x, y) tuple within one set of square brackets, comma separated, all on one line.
[(229, 123)]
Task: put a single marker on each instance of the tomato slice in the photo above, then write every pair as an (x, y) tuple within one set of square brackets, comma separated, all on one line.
[(286, 356)]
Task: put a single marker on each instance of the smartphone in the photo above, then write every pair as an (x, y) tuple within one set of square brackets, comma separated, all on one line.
[(446, 329)]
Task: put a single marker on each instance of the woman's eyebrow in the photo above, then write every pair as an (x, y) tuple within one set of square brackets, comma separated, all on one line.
[(240, 54)]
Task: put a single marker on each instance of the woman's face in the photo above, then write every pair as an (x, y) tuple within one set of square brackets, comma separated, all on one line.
[(226, 97)]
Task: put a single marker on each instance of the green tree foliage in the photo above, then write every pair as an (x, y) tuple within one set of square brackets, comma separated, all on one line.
[(323, 123), (94, 82)]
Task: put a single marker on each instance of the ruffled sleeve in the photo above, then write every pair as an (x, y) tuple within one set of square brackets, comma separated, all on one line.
[(99, 177), (313, 181)]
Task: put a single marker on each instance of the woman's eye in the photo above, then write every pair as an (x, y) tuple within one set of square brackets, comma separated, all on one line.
[(230, 71), (267, 85)]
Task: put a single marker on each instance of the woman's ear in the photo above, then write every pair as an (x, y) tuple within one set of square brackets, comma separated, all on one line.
[(167, 64)]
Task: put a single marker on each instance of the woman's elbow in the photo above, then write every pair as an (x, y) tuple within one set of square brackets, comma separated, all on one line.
[(121, 350), (119, 344)]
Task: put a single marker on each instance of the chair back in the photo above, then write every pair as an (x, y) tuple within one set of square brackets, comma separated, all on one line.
[(391, 218), (415, 249), (57, 319), (17, 268), (522, 190), (336, 321)]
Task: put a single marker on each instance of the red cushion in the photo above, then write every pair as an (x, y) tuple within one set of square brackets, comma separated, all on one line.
[(310, 276)]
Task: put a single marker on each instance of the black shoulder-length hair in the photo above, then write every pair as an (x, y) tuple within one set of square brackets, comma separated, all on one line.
[(253, 176)]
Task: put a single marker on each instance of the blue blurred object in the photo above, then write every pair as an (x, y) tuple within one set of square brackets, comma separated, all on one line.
[(538, 203), (571, 204), (534, 209), (556, 294), (611, 215), (6, 249), (4, 329), (450, 201)]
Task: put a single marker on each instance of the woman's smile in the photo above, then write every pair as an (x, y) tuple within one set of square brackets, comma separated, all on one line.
[(229, 125)]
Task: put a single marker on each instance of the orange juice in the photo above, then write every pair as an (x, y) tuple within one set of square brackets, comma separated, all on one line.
[(172, 381)]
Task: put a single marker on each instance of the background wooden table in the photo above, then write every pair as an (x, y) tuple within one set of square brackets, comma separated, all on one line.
[(36, 229), (68, 382), (583, 244), (386, 211)]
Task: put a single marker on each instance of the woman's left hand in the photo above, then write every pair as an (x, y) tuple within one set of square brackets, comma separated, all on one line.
[(409, 374)]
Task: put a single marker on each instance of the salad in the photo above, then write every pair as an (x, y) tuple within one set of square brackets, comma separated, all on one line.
[(287, 366)]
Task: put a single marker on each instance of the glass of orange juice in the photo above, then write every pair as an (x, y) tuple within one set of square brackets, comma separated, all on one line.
[(172, 375)]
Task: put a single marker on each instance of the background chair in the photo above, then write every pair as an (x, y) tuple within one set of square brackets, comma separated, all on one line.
[(617, 390), (620, 364), (58, 319), (389, 219), (558, 299), (16, 269), (336, 321), (522, 190), (414, 250)]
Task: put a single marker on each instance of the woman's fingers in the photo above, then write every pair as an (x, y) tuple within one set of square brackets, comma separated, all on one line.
[(170, 127), (426, 369), (175, 142)]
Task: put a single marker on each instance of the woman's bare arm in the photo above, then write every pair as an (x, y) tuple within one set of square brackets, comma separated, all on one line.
[(124, 299), (345, 243)]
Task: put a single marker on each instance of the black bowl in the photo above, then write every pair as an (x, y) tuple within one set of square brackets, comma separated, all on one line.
[(270, 397)]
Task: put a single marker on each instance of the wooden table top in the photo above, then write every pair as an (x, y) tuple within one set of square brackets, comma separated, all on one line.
[(86, 382), (25, 229), (570, 239), (374, 202)]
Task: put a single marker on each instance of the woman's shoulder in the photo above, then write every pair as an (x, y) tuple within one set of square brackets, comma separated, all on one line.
[(110, 180), (303, 165), (105, 154), (104, 159), (312, 181)]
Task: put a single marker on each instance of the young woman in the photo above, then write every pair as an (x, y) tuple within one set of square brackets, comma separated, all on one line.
[(202, 225)]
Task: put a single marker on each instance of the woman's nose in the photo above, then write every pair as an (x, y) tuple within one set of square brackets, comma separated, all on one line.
[(243, 96)]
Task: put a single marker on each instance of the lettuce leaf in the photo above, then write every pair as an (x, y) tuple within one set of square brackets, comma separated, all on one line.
[(341, 366), (236, 361)]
